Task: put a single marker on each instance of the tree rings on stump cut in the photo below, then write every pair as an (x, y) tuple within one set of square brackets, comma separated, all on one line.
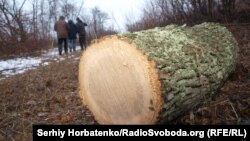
[(119, 84)]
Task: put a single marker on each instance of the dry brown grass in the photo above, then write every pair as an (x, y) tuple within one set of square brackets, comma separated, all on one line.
[(10, 50), (49, 95)]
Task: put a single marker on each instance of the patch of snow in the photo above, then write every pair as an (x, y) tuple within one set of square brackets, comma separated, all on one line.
[(51, 52), (20, 65), (45, 63)]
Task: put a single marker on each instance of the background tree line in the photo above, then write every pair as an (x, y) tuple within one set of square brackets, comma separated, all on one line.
[(164, 12), (27, 25)]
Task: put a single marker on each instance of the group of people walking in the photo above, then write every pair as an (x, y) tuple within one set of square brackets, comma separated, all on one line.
[(67, 34)]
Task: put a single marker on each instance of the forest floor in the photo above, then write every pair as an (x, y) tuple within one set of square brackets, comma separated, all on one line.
[(49, 95)]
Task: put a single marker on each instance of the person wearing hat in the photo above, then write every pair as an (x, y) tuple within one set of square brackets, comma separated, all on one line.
[(81, 33)]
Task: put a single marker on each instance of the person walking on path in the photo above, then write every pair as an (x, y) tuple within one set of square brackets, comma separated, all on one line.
[(81, 33), (62, 28), (72, 36)]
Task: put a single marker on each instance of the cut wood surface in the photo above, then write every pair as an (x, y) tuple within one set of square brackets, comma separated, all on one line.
[(154, 76)]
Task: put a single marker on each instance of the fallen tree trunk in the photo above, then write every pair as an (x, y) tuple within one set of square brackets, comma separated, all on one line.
[(155, 75)]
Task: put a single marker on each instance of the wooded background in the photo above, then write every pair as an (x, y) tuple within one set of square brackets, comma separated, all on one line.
[(164, 12), (24, 23), (21, 29)]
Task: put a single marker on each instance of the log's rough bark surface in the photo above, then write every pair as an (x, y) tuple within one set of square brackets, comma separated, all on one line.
[(192, 64)]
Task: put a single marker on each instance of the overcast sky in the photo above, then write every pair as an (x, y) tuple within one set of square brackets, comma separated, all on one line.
[(120, 11)]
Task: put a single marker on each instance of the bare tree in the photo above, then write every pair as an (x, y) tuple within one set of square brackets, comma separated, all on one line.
[(53, 10), (14, 18), (69, 10), (43, 22), (35, 18), (99, 20), (164, 12)]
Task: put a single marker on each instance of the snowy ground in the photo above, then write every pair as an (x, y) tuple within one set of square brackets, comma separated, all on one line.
[(15, 66)]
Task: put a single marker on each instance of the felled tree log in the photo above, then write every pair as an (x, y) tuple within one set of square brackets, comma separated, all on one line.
[(155, 75)]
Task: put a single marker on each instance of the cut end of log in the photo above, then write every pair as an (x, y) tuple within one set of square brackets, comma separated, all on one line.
[(119, 84)]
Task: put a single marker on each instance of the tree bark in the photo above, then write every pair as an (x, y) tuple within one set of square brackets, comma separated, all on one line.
[(185, 66)]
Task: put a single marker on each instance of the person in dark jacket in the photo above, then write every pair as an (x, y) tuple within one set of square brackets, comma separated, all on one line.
[(72, 36), (81, 32), (61, 27)]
